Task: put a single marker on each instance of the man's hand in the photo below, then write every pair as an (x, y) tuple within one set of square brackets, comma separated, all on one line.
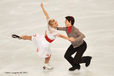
[(72, 39)]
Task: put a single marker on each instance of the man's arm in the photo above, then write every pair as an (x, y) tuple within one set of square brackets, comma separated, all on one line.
[(45, 12), (62, 28)]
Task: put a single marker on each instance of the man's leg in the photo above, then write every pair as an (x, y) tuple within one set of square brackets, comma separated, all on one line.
[(80, 51), (68, 55), (86, 60), (78, 57)]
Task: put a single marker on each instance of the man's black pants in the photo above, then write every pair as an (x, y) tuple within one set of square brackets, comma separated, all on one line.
[(77, 59)]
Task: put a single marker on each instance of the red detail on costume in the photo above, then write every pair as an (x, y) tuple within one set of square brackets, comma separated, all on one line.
[(69, 29), (34, 35), (47, 38), (47, 55), (37, 49)]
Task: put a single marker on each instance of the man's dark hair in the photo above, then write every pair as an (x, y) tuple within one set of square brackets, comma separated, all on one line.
[(70, 19)]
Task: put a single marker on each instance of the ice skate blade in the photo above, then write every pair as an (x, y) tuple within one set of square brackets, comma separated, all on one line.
[(45, 68)]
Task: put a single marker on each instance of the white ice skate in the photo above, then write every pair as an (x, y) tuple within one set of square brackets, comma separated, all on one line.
[(47, 67)]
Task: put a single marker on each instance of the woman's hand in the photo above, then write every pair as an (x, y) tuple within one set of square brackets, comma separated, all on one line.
[(42, 5)]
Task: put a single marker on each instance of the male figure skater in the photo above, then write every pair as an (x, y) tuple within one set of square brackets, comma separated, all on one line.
[(77, 46)]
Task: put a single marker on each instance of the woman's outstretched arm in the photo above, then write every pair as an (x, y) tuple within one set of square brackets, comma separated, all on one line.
[(45, 12)]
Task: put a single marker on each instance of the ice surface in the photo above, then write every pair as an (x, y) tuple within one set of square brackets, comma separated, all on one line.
[(95, 18)]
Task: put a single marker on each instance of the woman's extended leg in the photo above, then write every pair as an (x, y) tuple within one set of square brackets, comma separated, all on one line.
[(25, 37)]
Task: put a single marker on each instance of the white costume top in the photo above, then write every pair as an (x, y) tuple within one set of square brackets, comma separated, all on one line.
[(51, 33)]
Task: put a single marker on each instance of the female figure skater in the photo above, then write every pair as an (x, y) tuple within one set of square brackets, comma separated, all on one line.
[(43, 41)]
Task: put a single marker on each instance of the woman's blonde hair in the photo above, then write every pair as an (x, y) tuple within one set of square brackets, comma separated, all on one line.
[(51, 22)]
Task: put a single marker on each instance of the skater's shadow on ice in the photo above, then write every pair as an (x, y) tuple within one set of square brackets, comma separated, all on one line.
[(74, 73), (81, 73), (47, 71)]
